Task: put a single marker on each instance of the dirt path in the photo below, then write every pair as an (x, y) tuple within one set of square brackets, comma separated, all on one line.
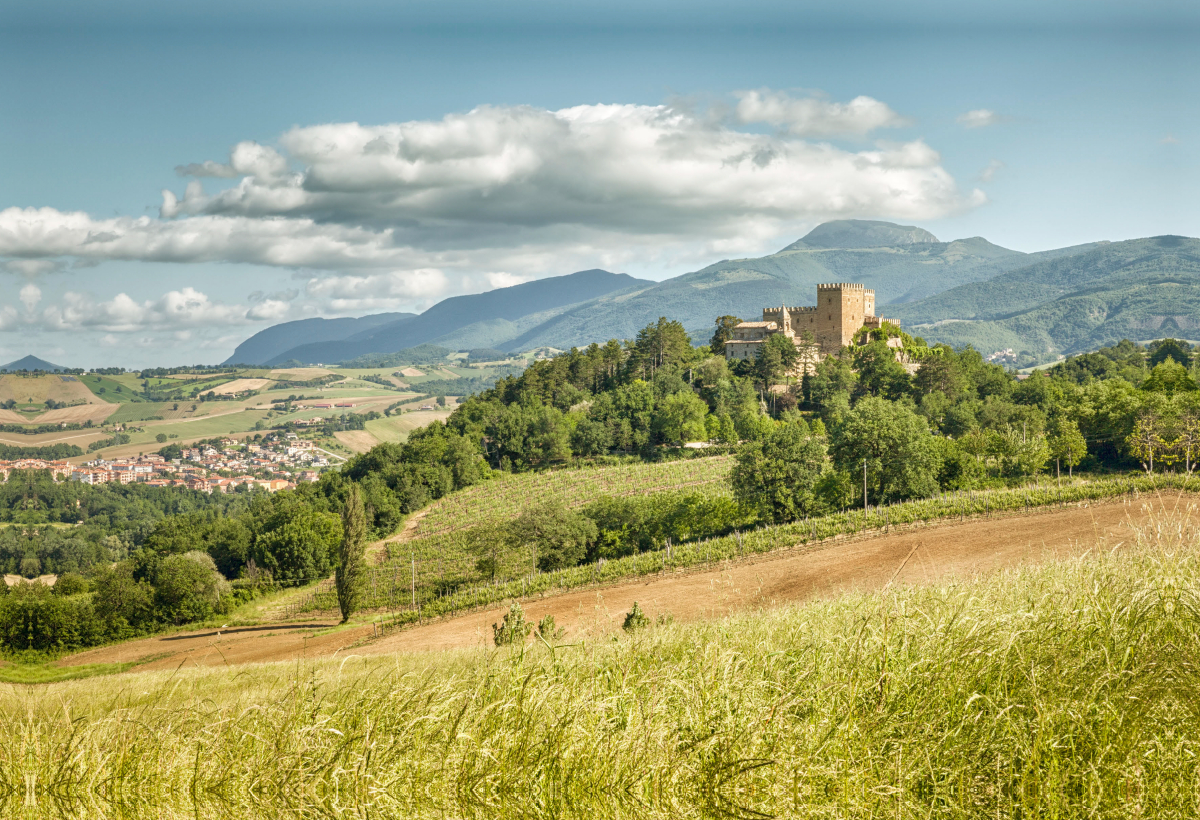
[(913, 556)]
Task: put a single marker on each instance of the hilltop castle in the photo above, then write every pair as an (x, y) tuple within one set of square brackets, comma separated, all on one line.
[(842, 310)]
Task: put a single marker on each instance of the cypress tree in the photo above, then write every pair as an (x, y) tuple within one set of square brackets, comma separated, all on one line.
[(352, 564)]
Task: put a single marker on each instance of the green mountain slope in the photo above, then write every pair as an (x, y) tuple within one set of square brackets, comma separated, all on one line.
[(1140, 289), (916, 266)]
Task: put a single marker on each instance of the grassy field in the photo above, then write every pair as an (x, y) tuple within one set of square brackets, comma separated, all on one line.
[(1066, 690)]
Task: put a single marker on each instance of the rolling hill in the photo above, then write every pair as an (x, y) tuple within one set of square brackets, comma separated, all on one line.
[(1138, 289), (266, 345)]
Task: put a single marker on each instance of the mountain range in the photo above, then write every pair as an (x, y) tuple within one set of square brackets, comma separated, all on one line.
[(968, 291)]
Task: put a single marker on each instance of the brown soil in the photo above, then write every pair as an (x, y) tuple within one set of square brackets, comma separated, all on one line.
[(913, 556)]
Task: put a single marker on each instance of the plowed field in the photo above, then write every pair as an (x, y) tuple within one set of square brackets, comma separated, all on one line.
[(913, 556)]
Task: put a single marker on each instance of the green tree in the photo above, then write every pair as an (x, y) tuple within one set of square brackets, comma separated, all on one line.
[(187, 587), (727, 433), (680, 417), (724, 332), (1146, 441), (298, 542), (777, 476), (351, 576), (554, 536), (1165, 349), (942, 374), (661, 342), (901, 461), (493, 548), (775, 359), (161, 438), (1169, 377), (879, 374), (1067, 444)]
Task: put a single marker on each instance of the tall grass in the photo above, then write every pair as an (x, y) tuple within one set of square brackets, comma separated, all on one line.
[(1065, 690)]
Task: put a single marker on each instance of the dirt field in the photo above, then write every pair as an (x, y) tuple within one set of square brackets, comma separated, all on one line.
[(357, 440), (12, 417), (240, 385), (915, 556), (95, 413), (36, 389), (411, 372)]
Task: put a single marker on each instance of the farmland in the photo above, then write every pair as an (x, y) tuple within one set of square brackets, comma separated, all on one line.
[(172, 404), (1038, 690)]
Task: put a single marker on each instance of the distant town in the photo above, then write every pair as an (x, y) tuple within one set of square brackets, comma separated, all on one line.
[(271, 462)]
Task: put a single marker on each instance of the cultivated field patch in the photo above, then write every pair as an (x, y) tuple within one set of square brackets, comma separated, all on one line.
[(78, 414), (37, 389), (240, 386)]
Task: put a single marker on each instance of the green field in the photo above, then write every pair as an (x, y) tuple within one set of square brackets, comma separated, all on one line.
[(1065, 690)]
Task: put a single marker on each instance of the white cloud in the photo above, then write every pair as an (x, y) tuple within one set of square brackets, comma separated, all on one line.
[(1169, 139), (814, 116), (175, 310), (393, 215), (378, 291), (979, 118)]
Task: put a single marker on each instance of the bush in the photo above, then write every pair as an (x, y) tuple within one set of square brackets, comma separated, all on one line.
[(70, 583), (512, 628), (635, 619)]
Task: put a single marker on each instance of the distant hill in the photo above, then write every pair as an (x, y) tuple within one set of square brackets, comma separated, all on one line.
[(267, 345), (461, 322), (31, 363), (913, 266), (916, 277), (1139, 289)]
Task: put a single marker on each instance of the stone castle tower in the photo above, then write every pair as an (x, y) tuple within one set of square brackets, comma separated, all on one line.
[(842, 309)]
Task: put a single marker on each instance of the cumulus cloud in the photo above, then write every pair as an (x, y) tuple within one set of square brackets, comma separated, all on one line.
[(815, 116), (979, 118), (175, 310), (500, 194), (351, 293)]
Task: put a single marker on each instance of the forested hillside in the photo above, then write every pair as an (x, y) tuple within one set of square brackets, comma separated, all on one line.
[(1140, 289), (146, 558)]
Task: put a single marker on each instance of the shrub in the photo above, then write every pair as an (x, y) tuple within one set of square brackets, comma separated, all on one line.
[(548, 631), (512, 628), (635, 619)]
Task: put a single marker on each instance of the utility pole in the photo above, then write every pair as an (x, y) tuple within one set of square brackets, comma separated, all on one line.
[(864, 486)]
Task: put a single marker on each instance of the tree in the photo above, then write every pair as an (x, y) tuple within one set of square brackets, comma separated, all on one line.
[(879, 374), (161, 438), (492, 545), (941, 374), (659, 343), (1165, 349), (186, 587), (298, 542), (1169, 377), (680, 417), (1067, 444), (777, 476), (351, 576), (1146, 440), (555, 536), (724, 332), (775, 359), (897, 446)]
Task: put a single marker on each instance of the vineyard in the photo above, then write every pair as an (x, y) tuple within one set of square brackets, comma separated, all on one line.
[(413, 585), (504, 498)]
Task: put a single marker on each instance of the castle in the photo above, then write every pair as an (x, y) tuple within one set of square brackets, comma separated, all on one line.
[(842, 310)]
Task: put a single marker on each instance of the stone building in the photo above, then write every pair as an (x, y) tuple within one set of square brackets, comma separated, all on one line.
[(842, 310)]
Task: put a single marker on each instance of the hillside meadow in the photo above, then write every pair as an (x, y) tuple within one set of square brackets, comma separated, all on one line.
[(1063, 690)]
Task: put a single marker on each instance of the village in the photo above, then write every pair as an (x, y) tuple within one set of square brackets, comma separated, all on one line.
[(276, 461)]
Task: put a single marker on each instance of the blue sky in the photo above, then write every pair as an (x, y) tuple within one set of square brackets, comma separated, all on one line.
[(499, 142)]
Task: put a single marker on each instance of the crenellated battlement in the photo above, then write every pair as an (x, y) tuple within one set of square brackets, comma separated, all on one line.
[(841, 286)]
